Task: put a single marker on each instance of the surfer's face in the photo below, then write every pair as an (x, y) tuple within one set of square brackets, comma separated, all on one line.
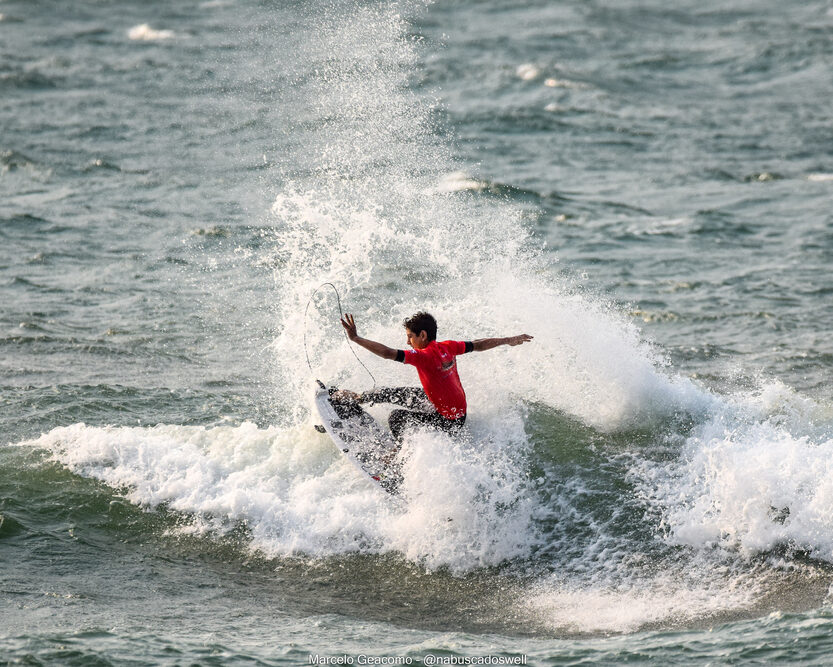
[(418, 342)]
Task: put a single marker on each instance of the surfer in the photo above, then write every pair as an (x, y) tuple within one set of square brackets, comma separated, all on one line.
[(441, 402)]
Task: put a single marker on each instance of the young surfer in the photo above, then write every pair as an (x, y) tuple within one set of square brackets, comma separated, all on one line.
[(441, 402)]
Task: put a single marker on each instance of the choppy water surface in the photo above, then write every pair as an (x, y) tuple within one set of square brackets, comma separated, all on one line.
[(645, 190)]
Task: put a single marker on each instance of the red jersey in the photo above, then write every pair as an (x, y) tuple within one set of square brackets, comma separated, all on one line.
[(437, 370)]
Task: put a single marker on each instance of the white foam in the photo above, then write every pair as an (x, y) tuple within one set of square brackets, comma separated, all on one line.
[(527, 72), (820, 178), (467, 502), (553, 82), (586, 360), (756, 475), (145, 33), (654, 227), (631, 606), (459, 181), (297, 496)]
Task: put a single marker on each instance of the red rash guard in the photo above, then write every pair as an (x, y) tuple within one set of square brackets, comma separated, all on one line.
[(437, 370)]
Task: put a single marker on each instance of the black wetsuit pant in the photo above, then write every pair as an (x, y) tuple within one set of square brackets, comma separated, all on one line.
[(423, 413)]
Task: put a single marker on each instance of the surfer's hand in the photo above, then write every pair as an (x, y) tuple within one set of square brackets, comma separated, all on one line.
[(518, 340), (345, 396), (349, 325)]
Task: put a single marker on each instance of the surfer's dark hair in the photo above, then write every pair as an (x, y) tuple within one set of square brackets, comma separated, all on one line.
[(422, 322)]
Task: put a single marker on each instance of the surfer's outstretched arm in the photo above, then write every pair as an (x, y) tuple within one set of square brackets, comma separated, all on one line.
[(378, 349), (483, 344)]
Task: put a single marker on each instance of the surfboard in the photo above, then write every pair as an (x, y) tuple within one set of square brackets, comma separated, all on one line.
[(360, 438)]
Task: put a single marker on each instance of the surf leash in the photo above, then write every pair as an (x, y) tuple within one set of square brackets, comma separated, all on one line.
[(349, 344)]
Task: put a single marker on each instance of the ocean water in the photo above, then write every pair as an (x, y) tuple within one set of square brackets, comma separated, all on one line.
[(645, 188)]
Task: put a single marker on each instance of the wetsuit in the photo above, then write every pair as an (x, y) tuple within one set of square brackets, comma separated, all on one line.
[(440, 403)]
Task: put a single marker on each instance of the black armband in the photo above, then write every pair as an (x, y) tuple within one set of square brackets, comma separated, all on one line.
[(400, 356), (469, 346)]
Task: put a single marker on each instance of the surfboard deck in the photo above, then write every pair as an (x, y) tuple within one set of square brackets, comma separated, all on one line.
[(360, 438)]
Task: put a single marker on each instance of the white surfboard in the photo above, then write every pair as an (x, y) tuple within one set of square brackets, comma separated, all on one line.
[(360, 438)]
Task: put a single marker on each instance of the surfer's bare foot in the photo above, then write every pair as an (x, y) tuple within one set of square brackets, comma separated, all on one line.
[(345, 396)]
